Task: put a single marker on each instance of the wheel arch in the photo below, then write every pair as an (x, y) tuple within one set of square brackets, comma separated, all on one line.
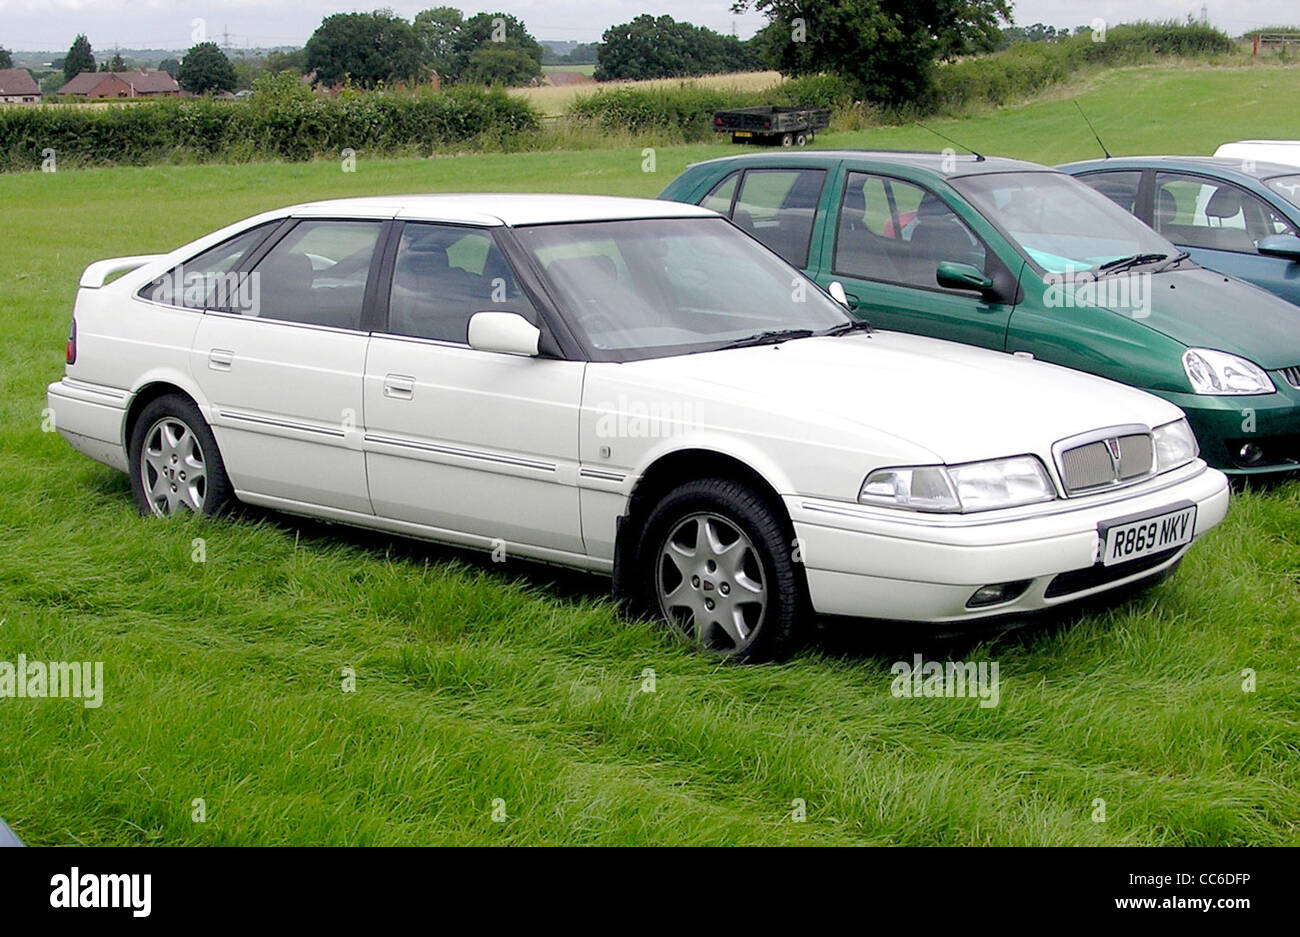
[(151, 388)]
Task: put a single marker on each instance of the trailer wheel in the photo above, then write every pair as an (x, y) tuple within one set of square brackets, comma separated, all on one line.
[(801, 140), (787, 139)]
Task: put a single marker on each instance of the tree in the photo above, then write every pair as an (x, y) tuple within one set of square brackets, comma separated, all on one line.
[(887, 48), (80, 58), (368, 48), (170, 66), (205, 69), (117, 63), (499, 31), (650, 47), (280, 61), (495, 64), (6, 60), (437, 30)]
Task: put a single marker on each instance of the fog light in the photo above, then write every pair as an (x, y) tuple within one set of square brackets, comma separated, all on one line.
[(997, 593), (1250, 454)]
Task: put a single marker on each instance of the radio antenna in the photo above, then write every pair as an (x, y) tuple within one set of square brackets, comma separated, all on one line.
[(1093, 129), (978, 157)]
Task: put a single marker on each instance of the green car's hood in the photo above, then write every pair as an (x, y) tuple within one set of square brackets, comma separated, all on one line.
[(1203, 309)]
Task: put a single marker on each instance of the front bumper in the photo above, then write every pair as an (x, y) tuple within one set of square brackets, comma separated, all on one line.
[(880, 563), (1270, 423)]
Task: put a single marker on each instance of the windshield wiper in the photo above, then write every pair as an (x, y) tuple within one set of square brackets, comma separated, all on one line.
[(1124, 263), (1174, 261), (853, 325), (772, 337)]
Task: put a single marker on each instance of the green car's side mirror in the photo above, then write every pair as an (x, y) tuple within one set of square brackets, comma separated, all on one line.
[(1280, 245), (955, 276)]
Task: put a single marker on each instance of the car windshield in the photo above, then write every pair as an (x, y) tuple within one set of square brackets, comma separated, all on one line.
[(1288, 187), (1060, 223), (675, 285)]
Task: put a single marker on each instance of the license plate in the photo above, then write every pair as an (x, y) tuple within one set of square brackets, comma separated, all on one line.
[(742, 133), (1133, 538)]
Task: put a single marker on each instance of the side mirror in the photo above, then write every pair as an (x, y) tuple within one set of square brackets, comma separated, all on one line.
[(507, 333), (836, 289), (1286, 246), (955, 276)]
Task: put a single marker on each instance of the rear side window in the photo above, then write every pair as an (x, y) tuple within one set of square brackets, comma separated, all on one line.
[(444, 274), (317, 274), (207, 281), (720, 198), (778, 207), (1120, 187), (1196, 211)]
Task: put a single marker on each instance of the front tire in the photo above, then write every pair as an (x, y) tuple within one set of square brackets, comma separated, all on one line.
[(175, 465), (715, 560)]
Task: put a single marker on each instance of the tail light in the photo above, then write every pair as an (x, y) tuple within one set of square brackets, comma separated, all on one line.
[(72, 343)]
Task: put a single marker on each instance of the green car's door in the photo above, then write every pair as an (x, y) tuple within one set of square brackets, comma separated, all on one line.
[(884, 238)]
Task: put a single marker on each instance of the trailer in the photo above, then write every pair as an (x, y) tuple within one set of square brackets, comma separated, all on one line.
[(786, 126)]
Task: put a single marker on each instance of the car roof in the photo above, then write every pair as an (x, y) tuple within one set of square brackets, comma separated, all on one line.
[(967, 164), (1219, 165), (503, 208)]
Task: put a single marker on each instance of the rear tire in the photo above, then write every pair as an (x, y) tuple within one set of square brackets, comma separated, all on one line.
[(801, 140), (175, 466), (787, 139), (715, 561)]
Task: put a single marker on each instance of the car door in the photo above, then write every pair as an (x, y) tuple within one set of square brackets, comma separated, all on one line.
[(282, 367), (467, 441), (886, 241), (1219, 224)]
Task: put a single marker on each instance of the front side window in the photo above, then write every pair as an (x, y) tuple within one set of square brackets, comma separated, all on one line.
[(897, 232), (779, 206), (208, 281), (444, 274), (672, 285), (1059, 223), (317, 274), (1196, 211)]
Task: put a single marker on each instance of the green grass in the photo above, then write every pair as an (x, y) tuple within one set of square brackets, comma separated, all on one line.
[(477, 682)]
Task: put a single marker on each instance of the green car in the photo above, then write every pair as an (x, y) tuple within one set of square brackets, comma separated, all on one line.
[(1022, 258)]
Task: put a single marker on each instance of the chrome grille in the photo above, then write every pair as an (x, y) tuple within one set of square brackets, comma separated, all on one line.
[(1292, 376), (1105, 461)]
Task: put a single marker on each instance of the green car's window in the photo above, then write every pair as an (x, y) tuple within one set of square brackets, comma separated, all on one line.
[(1058, 222), (1288, 187), (720, 198), (898, 232), (778, 206), (1196, 211), (1121, 187)]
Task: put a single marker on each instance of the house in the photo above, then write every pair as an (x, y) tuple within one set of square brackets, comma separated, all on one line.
[(134, 84), (18, 87)]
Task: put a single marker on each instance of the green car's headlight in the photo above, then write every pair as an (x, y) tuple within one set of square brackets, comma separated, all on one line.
[(1221, 374), (974, 486), (1175, 445)]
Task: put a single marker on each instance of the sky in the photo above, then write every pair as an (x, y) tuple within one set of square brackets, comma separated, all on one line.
[(31, 25)]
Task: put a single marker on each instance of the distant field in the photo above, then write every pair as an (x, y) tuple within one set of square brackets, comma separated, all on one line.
[(478, 682), (553, 101), (580, 69)]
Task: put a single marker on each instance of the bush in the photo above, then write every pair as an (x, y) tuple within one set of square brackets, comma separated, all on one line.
[(278, 122)]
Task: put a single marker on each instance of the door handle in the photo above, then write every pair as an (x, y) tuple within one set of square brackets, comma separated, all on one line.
[(399, 387), (219, 359)]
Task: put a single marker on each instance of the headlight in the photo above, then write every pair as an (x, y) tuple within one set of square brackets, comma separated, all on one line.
[(975, 486), (1219, 373), (1175, 445)]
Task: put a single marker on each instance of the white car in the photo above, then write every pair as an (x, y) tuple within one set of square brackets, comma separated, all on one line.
[(1286, 152), (630, 387)]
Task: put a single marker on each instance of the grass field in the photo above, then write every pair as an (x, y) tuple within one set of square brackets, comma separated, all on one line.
[(482, 687), (554, 101)]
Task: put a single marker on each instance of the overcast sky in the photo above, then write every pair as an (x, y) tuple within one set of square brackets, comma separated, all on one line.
[(53, 24)]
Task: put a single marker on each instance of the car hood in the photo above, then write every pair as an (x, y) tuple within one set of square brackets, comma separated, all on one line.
[(958, 402), (1203, 309)]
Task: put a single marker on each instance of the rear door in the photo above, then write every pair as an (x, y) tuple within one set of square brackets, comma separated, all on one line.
[(282, 366), (884, 243)]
